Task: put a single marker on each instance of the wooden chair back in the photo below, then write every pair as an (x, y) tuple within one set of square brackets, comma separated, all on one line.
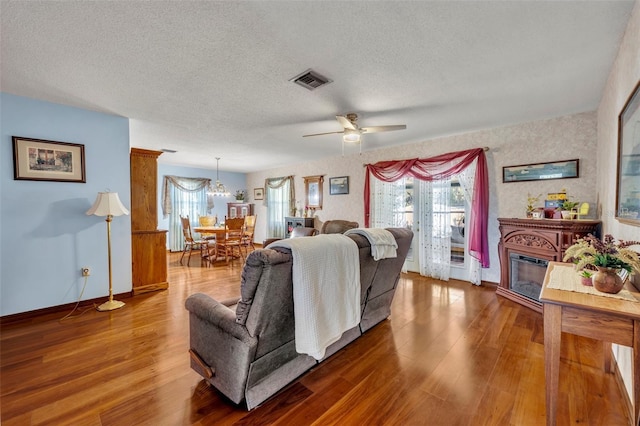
[(208, 220), (235, 227), (186, 229)]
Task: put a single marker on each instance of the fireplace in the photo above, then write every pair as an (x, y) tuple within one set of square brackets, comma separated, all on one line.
[(527, 246), (527, 275)]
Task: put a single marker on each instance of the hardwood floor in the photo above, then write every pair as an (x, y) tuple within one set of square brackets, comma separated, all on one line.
[(450, 354)]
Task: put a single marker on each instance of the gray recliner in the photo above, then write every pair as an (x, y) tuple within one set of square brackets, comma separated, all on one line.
[(247, 350)]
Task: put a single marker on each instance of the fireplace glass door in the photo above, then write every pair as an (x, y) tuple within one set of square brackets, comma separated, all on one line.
[(527, 275)]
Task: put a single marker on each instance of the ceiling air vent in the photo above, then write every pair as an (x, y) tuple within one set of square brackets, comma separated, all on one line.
[(310, 79)]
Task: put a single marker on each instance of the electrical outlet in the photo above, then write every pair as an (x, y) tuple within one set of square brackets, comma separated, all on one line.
[(86, 271)]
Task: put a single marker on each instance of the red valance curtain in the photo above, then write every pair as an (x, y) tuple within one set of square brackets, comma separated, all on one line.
[(439, 167)]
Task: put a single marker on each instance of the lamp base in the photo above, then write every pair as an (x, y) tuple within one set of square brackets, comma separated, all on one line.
[(110, 305)]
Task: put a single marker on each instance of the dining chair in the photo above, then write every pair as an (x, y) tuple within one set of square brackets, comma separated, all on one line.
[(247, 234), (190, 243), (208, 220), (231, 240)]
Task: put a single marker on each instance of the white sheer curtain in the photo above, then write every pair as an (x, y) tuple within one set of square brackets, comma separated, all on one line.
[(434, 238), (190, 201), (279, 201), (387, 202), (467, 181)]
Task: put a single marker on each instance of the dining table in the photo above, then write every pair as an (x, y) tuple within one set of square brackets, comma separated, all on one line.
[(209, 230)]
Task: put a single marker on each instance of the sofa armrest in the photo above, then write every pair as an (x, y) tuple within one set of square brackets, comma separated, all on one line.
[(224, 349), (218, 315)]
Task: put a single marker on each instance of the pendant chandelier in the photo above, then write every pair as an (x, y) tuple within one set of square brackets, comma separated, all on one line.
[(219, 189)]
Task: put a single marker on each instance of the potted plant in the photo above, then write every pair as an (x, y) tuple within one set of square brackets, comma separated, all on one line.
[(586, 277), (567, 208), (608, 256), (531, 201)]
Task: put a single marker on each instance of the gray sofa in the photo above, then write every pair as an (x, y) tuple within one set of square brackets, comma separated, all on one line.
[(246, 348)]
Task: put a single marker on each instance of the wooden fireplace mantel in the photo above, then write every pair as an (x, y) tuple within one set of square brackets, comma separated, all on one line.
[(539, 238)]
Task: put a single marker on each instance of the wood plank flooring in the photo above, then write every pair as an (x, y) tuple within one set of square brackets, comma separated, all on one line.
[(450, 354)]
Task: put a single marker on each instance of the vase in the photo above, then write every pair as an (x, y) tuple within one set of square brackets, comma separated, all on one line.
[(607, 280)]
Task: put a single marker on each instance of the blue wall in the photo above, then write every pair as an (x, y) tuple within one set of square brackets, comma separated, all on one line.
[(45, 235), (232, 181)]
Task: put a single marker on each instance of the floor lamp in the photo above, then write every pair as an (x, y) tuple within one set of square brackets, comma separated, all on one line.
[(108, 204)]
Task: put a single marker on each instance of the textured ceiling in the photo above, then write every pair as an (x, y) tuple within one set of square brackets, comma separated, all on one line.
[(211, 79)]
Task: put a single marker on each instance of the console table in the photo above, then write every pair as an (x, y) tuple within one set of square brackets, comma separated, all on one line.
[(598, 317)]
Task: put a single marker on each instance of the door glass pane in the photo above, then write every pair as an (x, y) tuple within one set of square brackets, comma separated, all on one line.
[(457, 224)]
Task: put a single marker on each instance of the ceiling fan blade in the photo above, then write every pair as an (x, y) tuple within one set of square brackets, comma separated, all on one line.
[(344, 122), (320, 134), (376, 129)]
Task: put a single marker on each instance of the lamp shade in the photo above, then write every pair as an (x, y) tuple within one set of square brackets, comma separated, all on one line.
[(107, 204)]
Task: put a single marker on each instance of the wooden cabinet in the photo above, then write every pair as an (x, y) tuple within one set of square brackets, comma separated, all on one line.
[(239, 209), (148, 244), (525, 248), (297, 222)]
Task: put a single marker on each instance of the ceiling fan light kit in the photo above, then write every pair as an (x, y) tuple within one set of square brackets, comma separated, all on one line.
[(351, 133), (351, 136)]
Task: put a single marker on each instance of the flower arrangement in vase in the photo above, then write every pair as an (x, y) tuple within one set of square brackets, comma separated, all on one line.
[(608, 256)]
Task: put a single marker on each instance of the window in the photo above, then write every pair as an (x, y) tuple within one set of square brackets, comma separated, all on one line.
[(279, 202)]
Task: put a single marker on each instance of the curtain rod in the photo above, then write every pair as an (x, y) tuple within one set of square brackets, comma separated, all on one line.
[(485, 149)]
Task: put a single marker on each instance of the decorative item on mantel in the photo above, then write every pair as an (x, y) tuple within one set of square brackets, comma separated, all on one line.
[(531, 201), (613, 260), (569, 209)]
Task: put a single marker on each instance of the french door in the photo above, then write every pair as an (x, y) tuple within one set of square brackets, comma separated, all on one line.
[(403, 204)]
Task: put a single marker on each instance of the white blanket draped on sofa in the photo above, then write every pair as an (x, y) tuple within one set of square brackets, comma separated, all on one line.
[(383, 244), (326, 289)]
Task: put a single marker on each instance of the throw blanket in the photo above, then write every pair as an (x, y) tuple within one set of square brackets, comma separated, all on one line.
[(326, 289), (383, 243)]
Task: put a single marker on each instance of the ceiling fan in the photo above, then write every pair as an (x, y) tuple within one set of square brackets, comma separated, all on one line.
[(353, 133)]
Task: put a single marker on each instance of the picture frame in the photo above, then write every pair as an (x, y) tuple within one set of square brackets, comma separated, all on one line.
[(313, 191), (44, 160), (339, 185), (628, 167), (258, 193), (565, 169)]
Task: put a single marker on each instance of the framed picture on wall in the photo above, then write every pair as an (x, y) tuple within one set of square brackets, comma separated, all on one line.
[(541, 171), (37, 159), (258, 193), (339, 185)]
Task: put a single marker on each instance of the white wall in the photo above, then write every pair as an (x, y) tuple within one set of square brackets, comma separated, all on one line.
[(561, 138), (624, 75), (46, 235)]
